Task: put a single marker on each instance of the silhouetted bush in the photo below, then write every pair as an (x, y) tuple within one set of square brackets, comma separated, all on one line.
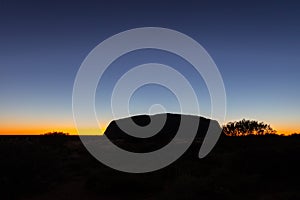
[(247, 127), (55, 133), (54, 138)]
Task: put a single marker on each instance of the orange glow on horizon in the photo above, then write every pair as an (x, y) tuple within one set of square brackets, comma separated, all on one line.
[(71, 131), (18, 130), (33, 126)]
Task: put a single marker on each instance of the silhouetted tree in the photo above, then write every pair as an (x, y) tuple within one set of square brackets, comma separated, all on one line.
[(55, 133), (247, 127), (54, 138)]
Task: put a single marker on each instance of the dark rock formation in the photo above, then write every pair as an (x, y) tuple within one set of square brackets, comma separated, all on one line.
[(160, 139)]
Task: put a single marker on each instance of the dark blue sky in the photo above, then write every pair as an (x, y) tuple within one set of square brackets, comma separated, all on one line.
[(255, 44)]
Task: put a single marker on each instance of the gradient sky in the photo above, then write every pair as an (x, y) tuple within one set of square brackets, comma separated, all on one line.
[(255, 44)]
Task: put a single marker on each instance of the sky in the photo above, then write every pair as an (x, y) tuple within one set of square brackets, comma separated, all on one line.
[(255, 45)]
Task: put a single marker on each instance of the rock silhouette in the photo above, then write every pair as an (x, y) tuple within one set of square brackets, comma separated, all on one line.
[(170, 125)]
